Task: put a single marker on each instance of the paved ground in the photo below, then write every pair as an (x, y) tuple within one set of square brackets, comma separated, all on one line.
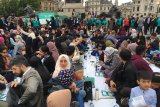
[(3, 104)]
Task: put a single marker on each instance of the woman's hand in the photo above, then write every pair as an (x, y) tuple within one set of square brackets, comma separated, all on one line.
[(112, 86), (73, 86), (101, 62), (18, 27), (3, 80)]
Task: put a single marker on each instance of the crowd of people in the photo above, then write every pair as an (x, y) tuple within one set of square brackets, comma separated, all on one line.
[(47, 59)]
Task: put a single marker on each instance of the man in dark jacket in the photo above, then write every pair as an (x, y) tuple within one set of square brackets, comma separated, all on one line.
[(1, 23), (53, 23), (147, 24), (124, 77)]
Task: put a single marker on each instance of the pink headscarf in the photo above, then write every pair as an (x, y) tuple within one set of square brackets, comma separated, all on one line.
[(55, 99), (132, 48), (1, 40), (53, 49)]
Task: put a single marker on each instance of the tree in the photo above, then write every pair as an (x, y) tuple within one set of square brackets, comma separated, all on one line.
[(17, 6)]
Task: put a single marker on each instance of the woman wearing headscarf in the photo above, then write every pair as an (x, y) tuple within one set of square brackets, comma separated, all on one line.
[(141, 40), (110, 62), (53, 49), (123, 78), (109, 44), (1, 40), (132, 48), (123, 45), (4, 58), (133, 35), (76, 54), (19, 48), (62, 63), (65, 74)]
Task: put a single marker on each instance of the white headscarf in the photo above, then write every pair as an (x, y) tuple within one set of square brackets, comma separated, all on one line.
[(134, 33), (58, 68), (76, 56)]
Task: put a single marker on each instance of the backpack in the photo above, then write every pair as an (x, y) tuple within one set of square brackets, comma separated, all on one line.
[(88, 89)]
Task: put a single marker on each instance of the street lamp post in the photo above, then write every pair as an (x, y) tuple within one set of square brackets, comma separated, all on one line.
[(158, 3)]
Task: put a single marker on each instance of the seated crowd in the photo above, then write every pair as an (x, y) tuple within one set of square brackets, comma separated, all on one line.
[(47, 60)]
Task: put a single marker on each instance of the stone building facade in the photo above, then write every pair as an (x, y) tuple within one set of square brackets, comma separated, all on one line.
[(50, 5), (145, 7), (98, 6), (126, 9), (69, 7)]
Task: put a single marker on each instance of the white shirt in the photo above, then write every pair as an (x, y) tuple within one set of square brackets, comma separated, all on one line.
[(29, 68)]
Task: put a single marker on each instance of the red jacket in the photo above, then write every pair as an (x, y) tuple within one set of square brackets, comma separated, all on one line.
[(140, 63)]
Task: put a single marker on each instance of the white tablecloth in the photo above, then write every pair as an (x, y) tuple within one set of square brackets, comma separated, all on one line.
[(154, 68)]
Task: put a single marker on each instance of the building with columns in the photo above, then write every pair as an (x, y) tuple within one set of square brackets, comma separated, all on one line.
[(145, 7), (126, 9), (98, 6), (71, 6), (116, 2), (50, 5)]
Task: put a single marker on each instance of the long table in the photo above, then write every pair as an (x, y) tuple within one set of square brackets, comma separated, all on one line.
[(99, 82)]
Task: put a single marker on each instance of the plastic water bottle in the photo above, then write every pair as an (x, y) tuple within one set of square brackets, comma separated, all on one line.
[(97, 94), (97, 61), (91, 104), (115, 105), (85, 56)]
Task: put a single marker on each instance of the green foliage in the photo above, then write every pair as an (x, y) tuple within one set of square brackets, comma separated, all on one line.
[(17, 6)]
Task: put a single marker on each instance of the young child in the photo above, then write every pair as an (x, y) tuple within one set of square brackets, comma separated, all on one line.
[(143, 92)]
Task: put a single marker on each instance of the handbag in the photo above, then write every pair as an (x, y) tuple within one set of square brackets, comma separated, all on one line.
[(88, 90)]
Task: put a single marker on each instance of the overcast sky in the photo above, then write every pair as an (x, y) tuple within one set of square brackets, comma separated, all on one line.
[(122, 1)]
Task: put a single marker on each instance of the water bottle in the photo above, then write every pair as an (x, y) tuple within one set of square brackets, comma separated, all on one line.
[(97, 61), (97, 94), (115, 105), (91, 104), (85, 56), (96, 68)]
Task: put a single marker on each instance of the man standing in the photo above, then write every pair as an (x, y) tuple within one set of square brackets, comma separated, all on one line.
[(29, 91), (147, 24)]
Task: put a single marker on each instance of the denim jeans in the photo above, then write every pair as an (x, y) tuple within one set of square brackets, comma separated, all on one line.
[(81, 94), (139, 28), (79, 83), (80, 97)]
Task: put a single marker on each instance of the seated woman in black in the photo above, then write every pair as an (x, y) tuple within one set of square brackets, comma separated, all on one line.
[(124, 77), (47, 58), (36, 63)]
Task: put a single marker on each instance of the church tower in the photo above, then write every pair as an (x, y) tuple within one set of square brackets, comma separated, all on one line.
[(116, 2)]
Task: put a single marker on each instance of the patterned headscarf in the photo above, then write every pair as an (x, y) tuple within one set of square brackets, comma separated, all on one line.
[(66, 77)]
